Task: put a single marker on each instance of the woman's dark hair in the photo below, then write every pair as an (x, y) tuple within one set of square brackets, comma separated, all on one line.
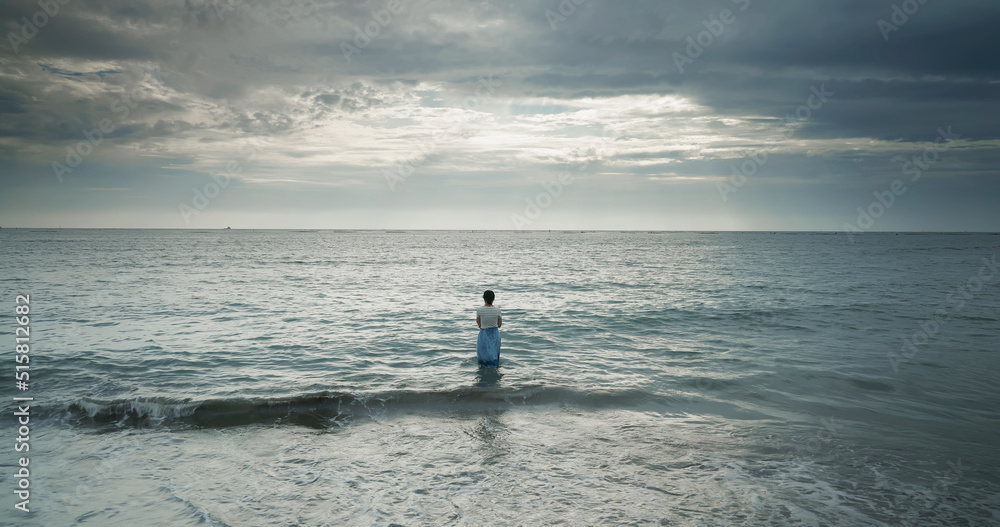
[(488, 296)]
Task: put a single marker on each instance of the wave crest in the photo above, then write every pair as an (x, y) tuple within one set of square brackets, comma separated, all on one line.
[(326, 409)]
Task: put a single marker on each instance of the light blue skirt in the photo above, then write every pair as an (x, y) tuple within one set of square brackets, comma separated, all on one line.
[(488, 348)]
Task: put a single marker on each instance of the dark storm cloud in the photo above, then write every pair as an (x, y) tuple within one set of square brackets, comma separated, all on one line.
[(600, 49), (939, 38), (75, 32), (766, 61)]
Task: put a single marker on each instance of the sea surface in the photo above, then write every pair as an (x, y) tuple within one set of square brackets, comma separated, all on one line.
[(243, 378)]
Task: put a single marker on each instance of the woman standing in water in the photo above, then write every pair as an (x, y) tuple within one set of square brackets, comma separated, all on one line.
[(489, 320)]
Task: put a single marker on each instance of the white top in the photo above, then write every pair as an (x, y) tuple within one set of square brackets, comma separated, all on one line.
[(488, 316)]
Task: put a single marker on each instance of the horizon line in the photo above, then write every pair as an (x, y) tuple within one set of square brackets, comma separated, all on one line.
[(390, 230)]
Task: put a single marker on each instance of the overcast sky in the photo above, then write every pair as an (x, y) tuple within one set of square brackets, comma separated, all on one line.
[(501, 114)]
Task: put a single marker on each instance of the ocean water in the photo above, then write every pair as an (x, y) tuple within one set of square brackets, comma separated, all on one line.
[(248, 378)]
